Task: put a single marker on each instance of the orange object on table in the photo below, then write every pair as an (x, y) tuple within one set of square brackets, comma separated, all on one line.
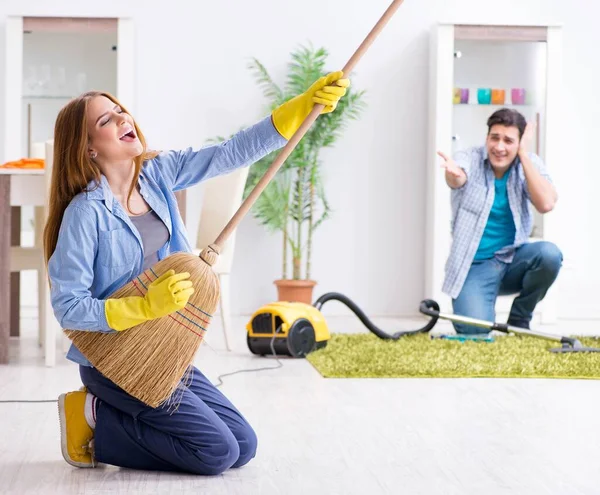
[(25, 163)]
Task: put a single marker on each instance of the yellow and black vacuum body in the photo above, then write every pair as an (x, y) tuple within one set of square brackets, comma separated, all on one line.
[(287, 328)]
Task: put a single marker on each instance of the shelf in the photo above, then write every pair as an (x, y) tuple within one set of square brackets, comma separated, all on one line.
[(47, 97), (492, 105)]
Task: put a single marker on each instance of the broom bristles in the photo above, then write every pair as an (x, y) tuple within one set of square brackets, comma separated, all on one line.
[(150, 360)]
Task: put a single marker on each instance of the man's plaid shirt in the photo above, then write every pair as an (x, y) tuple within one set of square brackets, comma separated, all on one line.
[(471, 206)]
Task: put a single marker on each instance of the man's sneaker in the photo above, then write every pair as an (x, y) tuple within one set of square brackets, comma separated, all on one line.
[(76, 436)]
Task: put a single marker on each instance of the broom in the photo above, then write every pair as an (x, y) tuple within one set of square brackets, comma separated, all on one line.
[(150, 360)]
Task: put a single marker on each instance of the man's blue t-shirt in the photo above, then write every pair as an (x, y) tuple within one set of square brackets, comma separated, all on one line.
[(500, 228)]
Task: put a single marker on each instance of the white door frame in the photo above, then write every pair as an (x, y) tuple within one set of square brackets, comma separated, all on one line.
[(438, 235)]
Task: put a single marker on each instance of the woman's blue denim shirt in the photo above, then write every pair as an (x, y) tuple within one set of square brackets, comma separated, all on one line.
[(99, 250)]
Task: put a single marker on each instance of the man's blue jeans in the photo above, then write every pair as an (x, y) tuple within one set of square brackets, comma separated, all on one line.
[(531, 273)]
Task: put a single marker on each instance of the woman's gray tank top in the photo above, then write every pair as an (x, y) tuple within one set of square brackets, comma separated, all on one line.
[(154, 234)]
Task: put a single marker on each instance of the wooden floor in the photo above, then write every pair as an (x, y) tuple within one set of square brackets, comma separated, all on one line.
[(325, 436)]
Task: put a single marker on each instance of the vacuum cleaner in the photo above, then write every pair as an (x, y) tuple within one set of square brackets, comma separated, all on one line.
[(297, 329)]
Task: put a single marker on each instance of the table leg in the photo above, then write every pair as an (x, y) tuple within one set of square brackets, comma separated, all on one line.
[(15, 278), (4, 267)]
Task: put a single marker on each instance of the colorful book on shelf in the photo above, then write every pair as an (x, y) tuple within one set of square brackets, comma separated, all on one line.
[(25, 163)]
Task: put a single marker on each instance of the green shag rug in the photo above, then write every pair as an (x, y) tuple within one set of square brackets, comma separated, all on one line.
[(367, 356)]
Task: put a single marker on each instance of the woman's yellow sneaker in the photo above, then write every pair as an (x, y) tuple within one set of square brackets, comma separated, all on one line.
[(76, 436)]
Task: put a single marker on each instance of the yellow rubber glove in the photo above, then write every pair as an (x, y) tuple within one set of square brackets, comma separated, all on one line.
[(287, 118), (168, 293)]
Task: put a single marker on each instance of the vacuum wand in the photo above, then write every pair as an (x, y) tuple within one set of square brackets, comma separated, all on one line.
[(431, 308)]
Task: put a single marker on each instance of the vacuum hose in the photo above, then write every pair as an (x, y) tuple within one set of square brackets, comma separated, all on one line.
[(369, 324)]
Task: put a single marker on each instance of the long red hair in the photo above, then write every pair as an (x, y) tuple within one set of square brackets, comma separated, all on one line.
[(72, 168)]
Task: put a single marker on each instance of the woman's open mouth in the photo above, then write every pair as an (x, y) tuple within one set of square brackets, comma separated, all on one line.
[(128, 136)]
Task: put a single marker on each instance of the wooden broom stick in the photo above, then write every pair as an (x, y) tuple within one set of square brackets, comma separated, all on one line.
[(295, 139)]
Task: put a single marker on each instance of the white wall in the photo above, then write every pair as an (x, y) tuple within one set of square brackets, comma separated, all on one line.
[(192, 83)]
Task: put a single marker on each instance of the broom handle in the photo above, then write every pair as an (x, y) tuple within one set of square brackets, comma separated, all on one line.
[(299, 134)]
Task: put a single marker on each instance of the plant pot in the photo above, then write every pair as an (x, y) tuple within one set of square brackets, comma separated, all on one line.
[(295, 290)]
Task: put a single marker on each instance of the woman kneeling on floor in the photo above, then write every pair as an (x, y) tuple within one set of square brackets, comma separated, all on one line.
[(113, 214)]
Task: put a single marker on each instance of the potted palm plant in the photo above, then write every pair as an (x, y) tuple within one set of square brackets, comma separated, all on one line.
[(294, 203)]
